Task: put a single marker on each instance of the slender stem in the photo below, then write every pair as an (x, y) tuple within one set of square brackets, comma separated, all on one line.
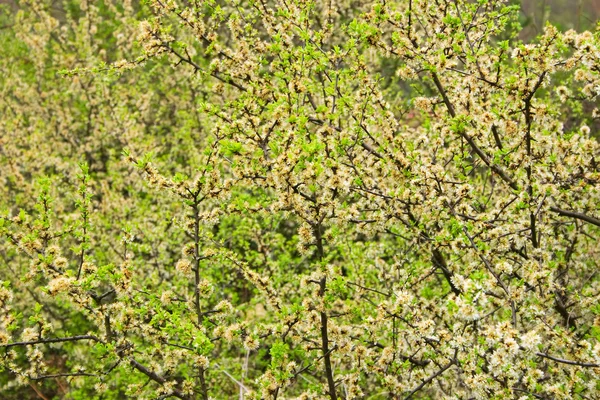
[(52, 340), (197, 263), (495, 168), (324, 333), (440, 262), (569, 362), (426, 381), (203, 384), (84, 238), (65, 375), (496, 137), (529, 122), (199, 314)]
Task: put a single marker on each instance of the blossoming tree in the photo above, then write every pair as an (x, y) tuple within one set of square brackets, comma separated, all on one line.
[(304, 199)]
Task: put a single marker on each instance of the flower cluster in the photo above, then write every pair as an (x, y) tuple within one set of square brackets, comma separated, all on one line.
[(297, 199)]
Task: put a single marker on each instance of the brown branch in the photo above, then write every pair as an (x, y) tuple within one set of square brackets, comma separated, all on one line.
[(188, 60), (496, 137), (369, 289), (496, 169), (428, 380), (42, 377), (324, 334), (53, 340), (577, 215), (197, 259), (568, 362), (37, 391), (155, 377), (445, 97), (440, 262), (529, 122)]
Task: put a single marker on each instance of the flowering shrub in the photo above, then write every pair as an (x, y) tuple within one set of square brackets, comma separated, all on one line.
[(297, 199)]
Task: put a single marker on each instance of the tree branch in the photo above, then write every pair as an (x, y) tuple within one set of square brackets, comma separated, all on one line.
[(426, 381), (54, 340), (577, 215), (499, 171), (569, 362), (65, 375), (155, 377)]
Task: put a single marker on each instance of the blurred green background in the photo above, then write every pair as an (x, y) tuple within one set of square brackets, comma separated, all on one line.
[(565, 14)]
